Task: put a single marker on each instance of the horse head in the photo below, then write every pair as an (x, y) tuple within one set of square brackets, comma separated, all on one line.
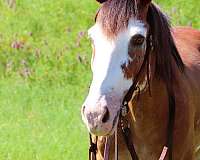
[(119, 39)]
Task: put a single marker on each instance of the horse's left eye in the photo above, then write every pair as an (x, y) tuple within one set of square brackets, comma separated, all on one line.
[(137, 40)]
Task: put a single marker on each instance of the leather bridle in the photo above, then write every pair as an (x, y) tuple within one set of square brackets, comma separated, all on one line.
[(123, 119)]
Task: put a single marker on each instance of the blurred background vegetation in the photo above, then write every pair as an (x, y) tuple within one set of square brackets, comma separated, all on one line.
[(45, 73)]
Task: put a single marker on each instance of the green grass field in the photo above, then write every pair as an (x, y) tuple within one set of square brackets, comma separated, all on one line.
[(45, 73)]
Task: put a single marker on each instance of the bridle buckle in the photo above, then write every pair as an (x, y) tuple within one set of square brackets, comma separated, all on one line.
[(124, 109)]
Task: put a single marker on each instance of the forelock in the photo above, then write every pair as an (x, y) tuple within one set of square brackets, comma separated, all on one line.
[(114, 15)]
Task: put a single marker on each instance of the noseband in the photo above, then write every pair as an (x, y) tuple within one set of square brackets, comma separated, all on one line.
[(124, 122)]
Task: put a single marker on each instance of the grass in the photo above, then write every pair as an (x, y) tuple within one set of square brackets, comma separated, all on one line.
[(44, 74)]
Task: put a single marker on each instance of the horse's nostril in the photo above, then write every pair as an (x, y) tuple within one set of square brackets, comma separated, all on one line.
[(106, 116)]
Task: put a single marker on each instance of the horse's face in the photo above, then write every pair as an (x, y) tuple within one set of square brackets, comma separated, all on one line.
[(114, 63)]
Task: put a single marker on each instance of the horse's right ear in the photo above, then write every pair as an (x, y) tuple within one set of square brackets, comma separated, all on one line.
[(101, 1)]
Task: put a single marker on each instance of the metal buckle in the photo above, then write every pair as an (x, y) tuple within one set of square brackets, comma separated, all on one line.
[(124, 124), (124, 109)]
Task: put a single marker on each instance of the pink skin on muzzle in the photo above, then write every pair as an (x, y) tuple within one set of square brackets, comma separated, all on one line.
[(101, 119)]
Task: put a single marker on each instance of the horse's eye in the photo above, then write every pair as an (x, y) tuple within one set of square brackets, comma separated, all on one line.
[(137, 40)]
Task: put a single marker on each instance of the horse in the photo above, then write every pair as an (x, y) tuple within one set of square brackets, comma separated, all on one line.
[(137, 53)]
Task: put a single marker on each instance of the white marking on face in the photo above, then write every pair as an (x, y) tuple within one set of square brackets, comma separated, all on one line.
[(110, 54)]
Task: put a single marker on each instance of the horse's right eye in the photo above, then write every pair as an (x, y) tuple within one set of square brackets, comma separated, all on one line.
[(137, 40)]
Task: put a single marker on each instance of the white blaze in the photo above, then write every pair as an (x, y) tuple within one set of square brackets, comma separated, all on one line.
[(110, 54)]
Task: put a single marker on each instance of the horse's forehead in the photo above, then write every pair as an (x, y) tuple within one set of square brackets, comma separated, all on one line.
[(137, 27), (134, 27)]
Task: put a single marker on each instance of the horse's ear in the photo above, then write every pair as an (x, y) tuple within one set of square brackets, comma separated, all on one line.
[(101, 1)]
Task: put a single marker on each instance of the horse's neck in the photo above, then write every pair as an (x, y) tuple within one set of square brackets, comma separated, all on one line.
[(149, 108), (149, 124)]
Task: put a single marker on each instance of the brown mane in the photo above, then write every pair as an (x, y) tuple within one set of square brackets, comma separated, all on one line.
[(165, 48), (114, 16)]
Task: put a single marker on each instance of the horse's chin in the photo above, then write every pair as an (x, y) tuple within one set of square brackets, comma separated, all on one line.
[(114, 128)]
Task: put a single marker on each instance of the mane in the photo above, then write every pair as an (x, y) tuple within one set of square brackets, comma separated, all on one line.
[(164, 46), (114, 16)]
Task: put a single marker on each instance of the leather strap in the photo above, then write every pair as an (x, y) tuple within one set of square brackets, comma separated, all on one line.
[(125, 128), (92, 149)]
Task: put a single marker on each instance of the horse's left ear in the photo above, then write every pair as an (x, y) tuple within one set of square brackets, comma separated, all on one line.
[(101, 1)]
